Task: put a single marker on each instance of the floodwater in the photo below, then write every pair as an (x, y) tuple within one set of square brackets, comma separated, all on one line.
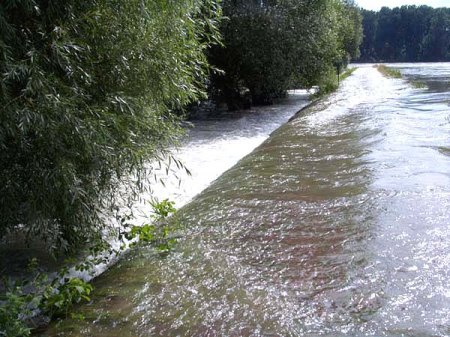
[(214, 144), (337, 225)]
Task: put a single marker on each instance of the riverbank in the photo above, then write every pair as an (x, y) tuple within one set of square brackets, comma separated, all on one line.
[(317, 231), (221, 140), (213, 146)]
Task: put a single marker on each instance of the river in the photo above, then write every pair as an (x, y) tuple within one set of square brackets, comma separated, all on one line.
[(337, 225)]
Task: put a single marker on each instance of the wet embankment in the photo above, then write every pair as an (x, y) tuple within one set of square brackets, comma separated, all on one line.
[(337, 225)]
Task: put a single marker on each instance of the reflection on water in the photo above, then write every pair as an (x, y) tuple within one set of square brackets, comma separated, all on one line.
[(337, 225)]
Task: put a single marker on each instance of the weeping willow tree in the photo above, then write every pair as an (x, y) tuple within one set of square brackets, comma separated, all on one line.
[(272, 45), (87, 90)]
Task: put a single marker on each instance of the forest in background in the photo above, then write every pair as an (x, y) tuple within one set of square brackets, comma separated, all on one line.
[(406, 34)]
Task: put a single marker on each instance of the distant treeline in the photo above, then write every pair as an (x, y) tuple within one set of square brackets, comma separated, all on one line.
[(406, 34)]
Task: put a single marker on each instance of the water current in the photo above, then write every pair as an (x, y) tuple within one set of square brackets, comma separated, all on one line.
[(337, 225), (214, 144)]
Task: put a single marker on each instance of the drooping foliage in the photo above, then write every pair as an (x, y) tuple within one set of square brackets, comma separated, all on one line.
[(406, 34), (87, 90), (270, 46), (350, 30)]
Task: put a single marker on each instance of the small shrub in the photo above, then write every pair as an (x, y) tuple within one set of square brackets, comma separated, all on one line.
[(42, 296), (58, 300), (14, 307), (328, 84), (160, 233)]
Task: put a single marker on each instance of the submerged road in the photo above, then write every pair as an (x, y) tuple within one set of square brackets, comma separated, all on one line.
[(337, 225)]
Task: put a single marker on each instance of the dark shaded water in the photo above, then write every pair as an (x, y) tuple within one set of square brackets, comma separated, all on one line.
[(337, 225)]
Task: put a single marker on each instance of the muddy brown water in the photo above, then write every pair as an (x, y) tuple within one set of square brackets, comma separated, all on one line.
[(337, 225)]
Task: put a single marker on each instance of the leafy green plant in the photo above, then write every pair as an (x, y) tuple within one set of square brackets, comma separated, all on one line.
[(159, 233), (55, 297), (163, 209), (39, 295), (58, 298), (13, 309)]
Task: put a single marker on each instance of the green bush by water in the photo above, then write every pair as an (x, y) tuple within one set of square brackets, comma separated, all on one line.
[(271, 46), (51, 298), (330, 82), (24, 299)]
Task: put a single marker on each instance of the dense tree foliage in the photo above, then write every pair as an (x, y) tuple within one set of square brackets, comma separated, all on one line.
[(87, 90), (406, 34), (272, 45)]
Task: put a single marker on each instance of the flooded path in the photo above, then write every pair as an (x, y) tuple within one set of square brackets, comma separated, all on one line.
[(337, 225), (213, 145)]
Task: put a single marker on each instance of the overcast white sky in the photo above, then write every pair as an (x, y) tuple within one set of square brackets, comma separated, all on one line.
[(377, 4)]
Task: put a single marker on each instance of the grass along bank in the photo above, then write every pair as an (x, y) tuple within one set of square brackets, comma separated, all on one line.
[(388, 72), (394, 73), (331, 83), (347, 73)]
